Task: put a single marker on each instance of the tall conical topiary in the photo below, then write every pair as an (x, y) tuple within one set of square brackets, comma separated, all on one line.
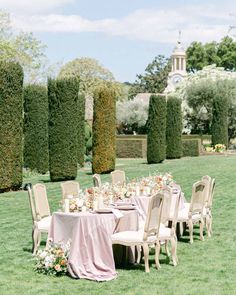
[(156, 129), (220, 119), (81, 129), (11, 126), (36, 155), (63, 128), (174, 128), (104, 130)]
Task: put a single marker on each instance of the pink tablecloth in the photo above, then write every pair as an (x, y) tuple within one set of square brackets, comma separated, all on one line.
[(91, 254)]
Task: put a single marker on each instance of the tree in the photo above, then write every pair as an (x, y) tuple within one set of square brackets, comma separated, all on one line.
[(36, 128), (81, 129), (197, 92), (11, 122), (156, 135), (104, 130), (154, 80), (223, 54), (132, 115), (173, 128), (220, 120), (90, 73), (23, 48), (63, 128)]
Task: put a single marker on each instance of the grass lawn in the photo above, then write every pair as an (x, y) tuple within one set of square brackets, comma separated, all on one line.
[(207, 267)]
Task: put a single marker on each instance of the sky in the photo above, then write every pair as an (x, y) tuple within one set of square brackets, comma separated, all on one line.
[(123, 35)]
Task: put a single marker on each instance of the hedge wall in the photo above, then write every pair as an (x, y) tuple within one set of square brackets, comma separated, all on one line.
[(63, 128), (81, 129), (36, 128), (174, 128), (156, 129), (191, 147), (220, 120), (104, 130), (11, 122)]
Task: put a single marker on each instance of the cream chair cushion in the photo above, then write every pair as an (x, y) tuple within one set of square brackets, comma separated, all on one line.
[(127, 237), (44, 223)]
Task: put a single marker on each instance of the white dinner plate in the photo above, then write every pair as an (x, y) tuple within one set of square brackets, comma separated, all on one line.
[(126, 207), (104, 210)]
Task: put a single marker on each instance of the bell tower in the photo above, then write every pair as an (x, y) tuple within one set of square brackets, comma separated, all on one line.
[(178, 67)]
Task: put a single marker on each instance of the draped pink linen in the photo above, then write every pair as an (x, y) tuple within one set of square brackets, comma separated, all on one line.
[(91, 254)]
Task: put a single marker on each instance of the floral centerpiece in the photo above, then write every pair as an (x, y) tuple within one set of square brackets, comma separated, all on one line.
[(53, 260)]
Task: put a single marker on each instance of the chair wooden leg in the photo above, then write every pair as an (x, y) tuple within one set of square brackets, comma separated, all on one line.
[(157, 253), (146, 256), (167, 249), (208, 225), (174, 250), (36, 240), (139, 251), (201, 229), (190, 225)]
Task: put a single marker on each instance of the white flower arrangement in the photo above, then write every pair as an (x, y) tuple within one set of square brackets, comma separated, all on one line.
[(53, 260)]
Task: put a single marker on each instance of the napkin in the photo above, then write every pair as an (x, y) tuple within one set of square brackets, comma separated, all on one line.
[(117, 213)]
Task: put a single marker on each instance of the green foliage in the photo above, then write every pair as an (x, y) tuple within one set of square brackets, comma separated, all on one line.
[(23, 48), (104, 130), (191, 147), (63, 128), (81, 129), (222, 54), (200, 97), (173, 128), (156, 135), (88, 142), (36, 128), (11, 122), (154, 79), (220, 120), (89, 71)]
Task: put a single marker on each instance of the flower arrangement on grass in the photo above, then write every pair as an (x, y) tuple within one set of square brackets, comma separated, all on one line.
[(53, 260), (220, 148)]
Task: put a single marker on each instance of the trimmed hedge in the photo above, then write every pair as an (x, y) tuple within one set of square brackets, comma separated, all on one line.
[(191, 147), (220, 120), (63, 128), (11, 122), (156, 129), (36, 155), (174, 128), (104, 130), (81, 129)]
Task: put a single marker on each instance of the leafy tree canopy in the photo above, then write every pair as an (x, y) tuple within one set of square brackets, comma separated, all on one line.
[(222, 53), (24, 48), (91, 75), (154, 80)]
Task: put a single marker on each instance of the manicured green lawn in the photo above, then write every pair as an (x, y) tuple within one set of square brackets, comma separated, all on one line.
[(207, 267)]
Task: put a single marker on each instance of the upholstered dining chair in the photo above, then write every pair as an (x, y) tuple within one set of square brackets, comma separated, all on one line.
[(70, 188), (169, 216), (118, 177), (193, 212), (148, 235), (41, 215), (97, 180)]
